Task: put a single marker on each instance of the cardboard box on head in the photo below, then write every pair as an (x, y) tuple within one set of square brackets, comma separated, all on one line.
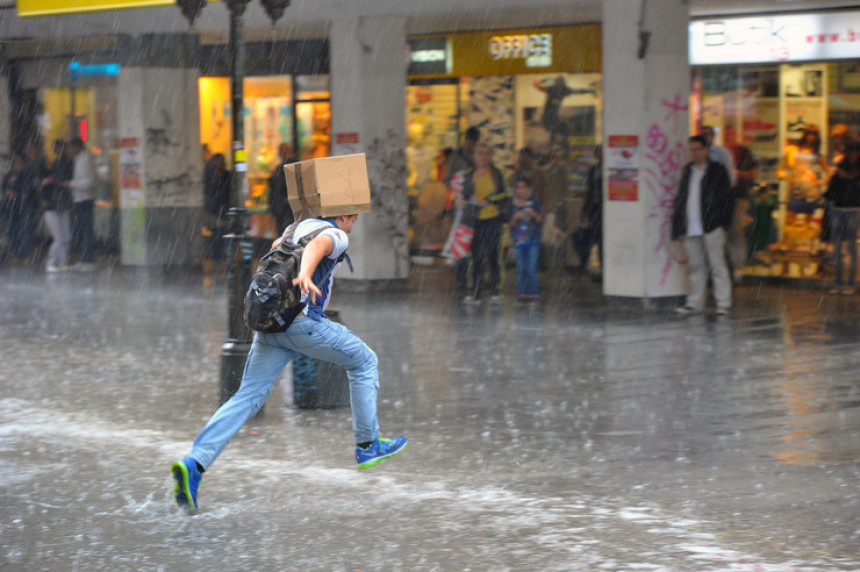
[(328, 187)]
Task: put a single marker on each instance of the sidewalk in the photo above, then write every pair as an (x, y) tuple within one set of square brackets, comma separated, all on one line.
[(573, 434)]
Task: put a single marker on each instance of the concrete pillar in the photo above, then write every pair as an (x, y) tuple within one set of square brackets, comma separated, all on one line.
[(368, 94), (161, 168), (646, 85)]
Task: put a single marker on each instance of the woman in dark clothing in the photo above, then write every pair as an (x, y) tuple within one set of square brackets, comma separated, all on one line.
[(57, 202), (217, 203), (484, 189), (843, 192), (15, 208)]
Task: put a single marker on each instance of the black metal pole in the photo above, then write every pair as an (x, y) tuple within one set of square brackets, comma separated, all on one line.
[(234, 352)]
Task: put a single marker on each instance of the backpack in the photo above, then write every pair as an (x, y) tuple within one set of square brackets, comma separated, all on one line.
[(272, 302)]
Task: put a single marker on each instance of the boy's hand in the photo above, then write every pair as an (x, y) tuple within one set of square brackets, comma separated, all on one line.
[(306, 285)]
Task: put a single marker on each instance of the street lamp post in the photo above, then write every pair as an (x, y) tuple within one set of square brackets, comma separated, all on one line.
[(241, 247)]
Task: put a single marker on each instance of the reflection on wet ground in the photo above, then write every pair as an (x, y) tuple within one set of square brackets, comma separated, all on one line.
[(572, 434)]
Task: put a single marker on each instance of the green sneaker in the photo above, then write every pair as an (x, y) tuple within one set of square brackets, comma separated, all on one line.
[(187, 479), (378, 451)]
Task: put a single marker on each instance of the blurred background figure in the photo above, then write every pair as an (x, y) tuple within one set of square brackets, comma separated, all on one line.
[(591, 231), (216, 204), (843, 193), (83, 188), (57, 200), (278, 205)]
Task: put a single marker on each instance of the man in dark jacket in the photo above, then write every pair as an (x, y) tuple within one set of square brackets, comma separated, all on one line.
[(703, 213)]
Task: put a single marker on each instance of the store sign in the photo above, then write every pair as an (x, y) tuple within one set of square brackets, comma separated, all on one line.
[(778, 38), (561, 49), (52, 7), (535, 49), (429, 56)]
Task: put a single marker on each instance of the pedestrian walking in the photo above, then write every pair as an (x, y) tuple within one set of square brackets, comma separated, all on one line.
[(82, 185), (485, 188), (525, 221), (457, 164), (591, 231), (703, 213), (216, 203), (843, 194), (311, 334), (57, 201)]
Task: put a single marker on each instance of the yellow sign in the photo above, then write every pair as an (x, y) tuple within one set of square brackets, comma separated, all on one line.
[(563, 49), (52, 7)]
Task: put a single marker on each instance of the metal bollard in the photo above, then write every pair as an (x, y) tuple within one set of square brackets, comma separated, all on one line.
[(319, 384)]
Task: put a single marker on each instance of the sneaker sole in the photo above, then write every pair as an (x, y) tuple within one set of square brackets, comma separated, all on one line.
[(182, 491), (377, 460)]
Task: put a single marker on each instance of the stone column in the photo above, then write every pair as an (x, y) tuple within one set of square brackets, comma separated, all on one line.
[(161, 166), (646, 85), (368, 86)]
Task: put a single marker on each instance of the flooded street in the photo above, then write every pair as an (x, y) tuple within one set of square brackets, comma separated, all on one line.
[(574, 434)]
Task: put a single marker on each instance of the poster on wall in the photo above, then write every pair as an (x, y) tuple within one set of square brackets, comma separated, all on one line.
[(129, 160), (622, 161), (346, 144)]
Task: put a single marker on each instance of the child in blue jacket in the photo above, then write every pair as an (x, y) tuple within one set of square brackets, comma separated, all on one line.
[(525, 224)]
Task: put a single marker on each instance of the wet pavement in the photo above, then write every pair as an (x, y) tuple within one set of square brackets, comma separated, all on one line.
[(573, 434)]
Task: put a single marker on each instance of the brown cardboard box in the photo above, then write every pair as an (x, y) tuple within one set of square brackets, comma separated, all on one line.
[(328, 187)]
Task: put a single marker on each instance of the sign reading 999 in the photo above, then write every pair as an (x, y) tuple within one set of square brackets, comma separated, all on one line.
[(535, 49)]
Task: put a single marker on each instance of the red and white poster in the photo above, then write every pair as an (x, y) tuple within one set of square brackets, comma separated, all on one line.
[(622, 161), (346, 144), (129, 160)]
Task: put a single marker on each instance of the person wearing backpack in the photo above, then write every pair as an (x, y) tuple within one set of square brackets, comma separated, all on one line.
[(310, 334)]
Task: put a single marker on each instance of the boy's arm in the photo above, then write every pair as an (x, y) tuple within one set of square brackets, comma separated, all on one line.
[(314, 252)]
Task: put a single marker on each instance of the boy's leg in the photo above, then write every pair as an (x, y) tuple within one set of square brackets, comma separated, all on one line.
[(265, 362), (332, 342)]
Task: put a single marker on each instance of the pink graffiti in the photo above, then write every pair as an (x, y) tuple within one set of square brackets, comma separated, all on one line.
[(675, 106), (661, 172)]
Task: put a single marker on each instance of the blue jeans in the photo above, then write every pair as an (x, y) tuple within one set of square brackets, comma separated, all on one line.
[(844, 223), (324, 340), (527, 263)]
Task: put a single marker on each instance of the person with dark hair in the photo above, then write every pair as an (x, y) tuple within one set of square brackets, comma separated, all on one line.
[(457, 165), (463, 158), (216, 196), (58, 203), (484, 187), (591, 232), (718, 153), (703, 213), (843, 192), (83, 188), (524, 217)]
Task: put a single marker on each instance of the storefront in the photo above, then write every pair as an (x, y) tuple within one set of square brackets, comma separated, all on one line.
[(539, 88), (286, 100), (762, 82)]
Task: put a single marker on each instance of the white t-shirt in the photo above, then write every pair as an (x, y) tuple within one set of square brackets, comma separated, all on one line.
[(694, 201)]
